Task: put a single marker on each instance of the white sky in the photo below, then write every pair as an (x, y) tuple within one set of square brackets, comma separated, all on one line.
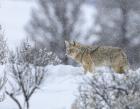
[(14, 15)]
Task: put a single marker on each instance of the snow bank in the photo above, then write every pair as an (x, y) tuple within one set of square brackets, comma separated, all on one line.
[(59, 90)]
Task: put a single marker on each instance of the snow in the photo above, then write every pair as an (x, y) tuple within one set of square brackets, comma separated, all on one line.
[(58, 91), (60, 87)]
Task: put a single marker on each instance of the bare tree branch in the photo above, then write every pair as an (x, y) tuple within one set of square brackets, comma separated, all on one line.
[(14, 99)]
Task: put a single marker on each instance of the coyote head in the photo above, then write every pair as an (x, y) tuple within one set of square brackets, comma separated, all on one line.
[(72, 48)]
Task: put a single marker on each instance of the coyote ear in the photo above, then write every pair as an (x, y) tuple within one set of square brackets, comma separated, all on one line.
[(67, 43)]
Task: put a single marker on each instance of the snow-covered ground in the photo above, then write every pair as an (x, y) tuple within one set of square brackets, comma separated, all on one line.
[(58, 91), (60, 87)]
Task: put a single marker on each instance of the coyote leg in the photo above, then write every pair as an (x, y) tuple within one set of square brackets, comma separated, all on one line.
[(85, 69), (89, 68), (92, 68), (88, 65), (119, 69)]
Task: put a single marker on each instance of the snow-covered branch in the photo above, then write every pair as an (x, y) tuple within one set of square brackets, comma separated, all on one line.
[(110, 91)]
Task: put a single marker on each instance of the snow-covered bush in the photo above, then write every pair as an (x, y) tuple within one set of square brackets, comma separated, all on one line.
[(39, 57), (3, 49), (26, 72), (24, 79), (110, 91), (3, 80), (3, 60)]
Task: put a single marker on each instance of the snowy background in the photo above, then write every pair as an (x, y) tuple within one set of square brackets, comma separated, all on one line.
[(60, 88)]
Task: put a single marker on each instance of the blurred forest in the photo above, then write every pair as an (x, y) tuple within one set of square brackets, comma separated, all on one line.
[(120, 25), (116, 23)]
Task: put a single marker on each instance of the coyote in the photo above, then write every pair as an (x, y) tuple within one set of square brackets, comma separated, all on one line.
[(92, 56)]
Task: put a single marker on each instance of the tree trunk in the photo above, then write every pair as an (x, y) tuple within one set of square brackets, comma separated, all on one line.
[(124, 41), (26, 105)]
